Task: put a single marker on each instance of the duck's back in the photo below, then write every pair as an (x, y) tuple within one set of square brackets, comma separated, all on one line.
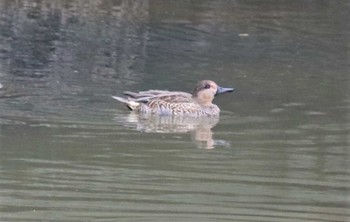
[(162, 95)]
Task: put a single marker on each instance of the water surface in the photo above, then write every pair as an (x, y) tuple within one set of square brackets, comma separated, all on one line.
[(278, 152)]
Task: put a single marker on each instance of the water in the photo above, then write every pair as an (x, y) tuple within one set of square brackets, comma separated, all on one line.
[(278, 152)]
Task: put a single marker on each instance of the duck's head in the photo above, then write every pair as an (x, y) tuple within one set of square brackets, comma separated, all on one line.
[(206, 90)]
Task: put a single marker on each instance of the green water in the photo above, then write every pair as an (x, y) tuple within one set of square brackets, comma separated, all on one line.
[(278, 152)]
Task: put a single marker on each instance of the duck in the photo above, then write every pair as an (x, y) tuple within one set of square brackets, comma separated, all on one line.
[(176, 103)]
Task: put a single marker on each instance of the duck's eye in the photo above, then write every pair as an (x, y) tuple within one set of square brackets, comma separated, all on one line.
[(207, 86)]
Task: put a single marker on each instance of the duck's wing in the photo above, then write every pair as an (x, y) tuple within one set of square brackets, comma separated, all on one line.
[(159, 95)]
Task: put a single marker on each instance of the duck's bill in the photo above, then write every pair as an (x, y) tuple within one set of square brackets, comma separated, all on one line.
[(221, 90)]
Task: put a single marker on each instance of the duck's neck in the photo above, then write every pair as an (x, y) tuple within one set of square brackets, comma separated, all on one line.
[(203, 100)]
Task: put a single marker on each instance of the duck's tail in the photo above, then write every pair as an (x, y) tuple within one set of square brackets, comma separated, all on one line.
[(132, 105)]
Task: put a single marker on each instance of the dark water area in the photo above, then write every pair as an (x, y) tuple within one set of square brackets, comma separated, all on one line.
[(278, 152)]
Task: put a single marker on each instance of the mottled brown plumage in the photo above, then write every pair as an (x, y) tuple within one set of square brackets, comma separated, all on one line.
[(162, 102)]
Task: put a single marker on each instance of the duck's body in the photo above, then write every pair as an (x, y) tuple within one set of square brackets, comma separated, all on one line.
[(162, 102)]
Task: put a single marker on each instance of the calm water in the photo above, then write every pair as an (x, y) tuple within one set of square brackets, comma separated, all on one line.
[(279, 151)]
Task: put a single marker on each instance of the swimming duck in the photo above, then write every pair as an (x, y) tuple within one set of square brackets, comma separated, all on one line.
[(163, 102)]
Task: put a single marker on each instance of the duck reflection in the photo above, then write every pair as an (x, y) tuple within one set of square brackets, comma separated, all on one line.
[(199, 127)]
